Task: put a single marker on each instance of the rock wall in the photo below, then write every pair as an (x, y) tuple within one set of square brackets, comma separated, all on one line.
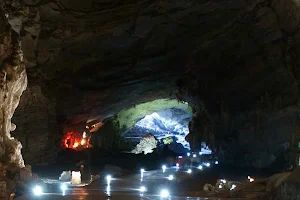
[(37, 128), (260, 140)]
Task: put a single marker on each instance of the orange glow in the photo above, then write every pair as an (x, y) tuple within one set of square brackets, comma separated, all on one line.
[(75, 145), (76, 140)]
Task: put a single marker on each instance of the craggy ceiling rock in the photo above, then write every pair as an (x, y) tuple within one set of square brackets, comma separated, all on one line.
[(99, 57)]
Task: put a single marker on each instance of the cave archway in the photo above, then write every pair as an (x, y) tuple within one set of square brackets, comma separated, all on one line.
[(164, 118)]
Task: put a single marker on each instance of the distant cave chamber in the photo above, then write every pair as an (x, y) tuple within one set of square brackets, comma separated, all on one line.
[(169, 127)]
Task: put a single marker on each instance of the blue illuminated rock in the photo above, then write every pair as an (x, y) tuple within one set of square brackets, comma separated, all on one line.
[(163, 124)]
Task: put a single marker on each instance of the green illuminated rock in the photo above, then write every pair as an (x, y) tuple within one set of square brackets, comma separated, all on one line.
[(128, 117)]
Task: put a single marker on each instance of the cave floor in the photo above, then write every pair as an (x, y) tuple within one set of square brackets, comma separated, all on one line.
[(183, 186)]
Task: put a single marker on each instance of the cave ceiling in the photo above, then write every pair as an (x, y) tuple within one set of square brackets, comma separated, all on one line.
[(97, 57)]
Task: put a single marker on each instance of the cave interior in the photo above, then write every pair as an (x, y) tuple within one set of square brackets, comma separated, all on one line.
[(203, 75)]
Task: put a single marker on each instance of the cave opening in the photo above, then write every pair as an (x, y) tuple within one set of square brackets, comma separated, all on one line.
[(169, 127)]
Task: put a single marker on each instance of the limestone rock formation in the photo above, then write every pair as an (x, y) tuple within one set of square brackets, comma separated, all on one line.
[(13, 83), (147, 144)]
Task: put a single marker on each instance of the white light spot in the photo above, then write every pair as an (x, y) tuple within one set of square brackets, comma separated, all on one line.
[(170, 177), (63, 187), (108, 179), (223, 181), (37, 190), (164, 167), (250, 179), (189, 171), (194, 155), (233, 187), (164, 193), (143, 189), (216, 162), (200, 167)]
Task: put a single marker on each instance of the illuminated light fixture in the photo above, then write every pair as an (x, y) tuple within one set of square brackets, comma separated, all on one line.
[(142, 174), (250, 179), (200, 153), (108, 179), (164, 193), (200, 167), (189, 171), (177, 164), (179, 156), (108, 190), (194, 155), (188, 154), (170, 177), (233, 187), (76, 177), (37, 190), (164, 167), (63, 188), (223, 181), (82, 141), (220, 187), (216, 162), (207, 164), (143, 189)]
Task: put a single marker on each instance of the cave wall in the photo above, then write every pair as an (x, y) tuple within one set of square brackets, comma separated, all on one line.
[(259, 140), (37, 130), (257, 72)]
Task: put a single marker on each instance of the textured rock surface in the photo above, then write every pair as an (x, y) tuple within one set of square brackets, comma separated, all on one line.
[(260, 140), (102, 57), (37, 128), (13, 82), (147, 145)]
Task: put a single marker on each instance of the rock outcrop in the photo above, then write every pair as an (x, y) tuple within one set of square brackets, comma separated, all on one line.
[(147, 145)]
